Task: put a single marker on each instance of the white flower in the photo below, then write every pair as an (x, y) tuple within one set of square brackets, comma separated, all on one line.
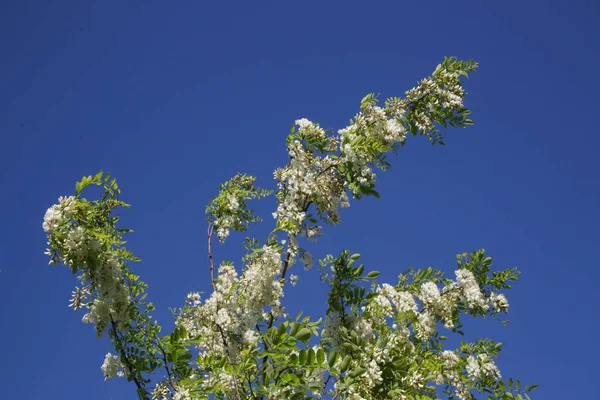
[(482, 367), (450, 358), (499, 302), (160, 391), (111, 365), (430, 294), (57, 213), (426, 325), (193, 299), (473, 296), (304, 123)]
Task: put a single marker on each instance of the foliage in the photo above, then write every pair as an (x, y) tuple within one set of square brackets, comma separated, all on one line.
[(374, 341)]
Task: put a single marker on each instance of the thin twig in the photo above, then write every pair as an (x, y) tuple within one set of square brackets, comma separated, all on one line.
[(166, 364), (123, 355), (210, 257), (235, 381)]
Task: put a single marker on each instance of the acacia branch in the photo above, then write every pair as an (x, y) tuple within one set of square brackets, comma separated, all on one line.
[(210, 257), (166, 364), (121, 350), (235, 381)]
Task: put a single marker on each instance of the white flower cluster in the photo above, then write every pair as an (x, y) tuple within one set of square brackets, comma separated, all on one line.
[(390, 302), (472, 295), (236, 305), (375, 127), (452, 376), (102, 270), (182, 393), (498, 302), (78, 246), (430, 294), (111, 367), (228, 219), (309, 178), (482, 367), (160, 392), (113, 298), (331, 329), (193, 299), (56, 214), (445, 91)]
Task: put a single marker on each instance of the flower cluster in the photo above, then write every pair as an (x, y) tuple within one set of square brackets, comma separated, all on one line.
[(442, 91), (376, 343), (101, 269), (472, 295), (228, 210), (236, 305), (111, 367), (58, 213), (373, 131), (422, 307), (308, 179), (482, 367)]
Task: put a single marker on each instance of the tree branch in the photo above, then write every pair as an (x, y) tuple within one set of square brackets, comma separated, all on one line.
[(121, 351), (235, 381), (210, 257), (166, 364)]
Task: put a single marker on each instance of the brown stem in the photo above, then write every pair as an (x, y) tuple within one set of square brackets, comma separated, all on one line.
[(235, 381), (121, 350), (166, 364), (210, 257)]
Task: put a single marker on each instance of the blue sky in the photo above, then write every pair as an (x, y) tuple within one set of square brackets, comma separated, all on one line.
[(174, 97)]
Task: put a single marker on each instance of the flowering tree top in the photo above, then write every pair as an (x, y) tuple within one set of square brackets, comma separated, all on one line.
[(373, 341)]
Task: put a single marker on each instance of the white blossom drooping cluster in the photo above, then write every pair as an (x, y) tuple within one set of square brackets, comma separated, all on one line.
[(430, 294), (451, 374), (228, 211), (101, 270), (392, 301), (473, 297), (111, 367), (309, 178), (236, 305), (57, 214), (498, 302), (436, 305), (113, 299), (381, 129), (444, 90), (229, 219), (331, 329), (482, 367)]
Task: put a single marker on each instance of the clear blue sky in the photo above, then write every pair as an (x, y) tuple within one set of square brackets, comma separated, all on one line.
[(174, 97)]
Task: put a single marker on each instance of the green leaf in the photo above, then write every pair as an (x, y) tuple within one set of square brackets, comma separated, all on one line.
[(311, 357), (372, 274), (303, 335), (345, 363), (320, 357), (333, 357), (303, 356), (357, 372)]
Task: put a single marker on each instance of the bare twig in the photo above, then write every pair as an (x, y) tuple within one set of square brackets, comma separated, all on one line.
[(210, 257)]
